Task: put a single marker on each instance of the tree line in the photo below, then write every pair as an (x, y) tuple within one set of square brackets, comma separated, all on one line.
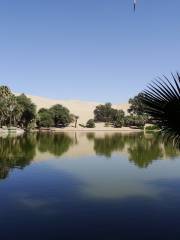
[(117, 118), (20, 111), (16, 110)]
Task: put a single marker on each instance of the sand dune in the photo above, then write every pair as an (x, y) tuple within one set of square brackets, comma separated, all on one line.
[(83, 109)]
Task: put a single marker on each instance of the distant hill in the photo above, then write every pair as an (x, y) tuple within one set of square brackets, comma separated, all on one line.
[(83, 109)]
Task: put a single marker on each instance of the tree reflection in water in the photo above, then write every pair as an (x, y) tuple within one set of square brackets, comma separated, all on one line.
[(142, 149), (57, 144), (108, 144), (16, 152), (19, 151)]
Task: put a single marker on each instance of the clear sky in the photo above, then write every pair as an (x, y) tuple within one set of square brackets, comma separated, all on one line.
[(87, 49)]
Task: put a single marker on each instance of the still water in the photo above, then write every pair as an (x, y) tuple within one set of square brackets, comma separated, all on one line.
[(89, 186)]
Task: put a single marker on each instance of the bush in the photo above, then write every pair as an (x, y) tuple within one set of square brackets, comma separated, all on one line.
[(90, 123), (82, 125), (60, 115), (135, 120), (45, 118), (152, 128), (118, 123)]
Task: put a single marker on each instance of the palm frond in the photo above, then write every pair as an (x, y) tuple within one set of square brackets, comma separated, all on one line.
[(162, 103)]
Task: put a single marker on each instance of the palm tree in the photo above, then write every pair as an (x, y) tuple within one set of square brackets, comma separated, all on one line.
[(162, 103), (11, 106), (76, 119), (5, 92), (5, 95), (17, 113)]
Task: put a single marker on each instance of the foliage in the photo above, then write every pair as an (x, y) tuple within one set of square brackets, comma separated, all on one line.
[(16, 110), (119, 119), (45, 118), (90, 123), (5, 92), (118, 123), (152, 128), (105, 113), (28, 110), (61, 115), (82, 125), (137, 106), (162, 101), (57, 116), (10, 110), (132, 120)]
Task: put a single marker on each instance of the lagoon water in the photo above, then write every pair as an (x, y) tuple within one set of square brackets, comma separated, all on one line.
[(89, 186)]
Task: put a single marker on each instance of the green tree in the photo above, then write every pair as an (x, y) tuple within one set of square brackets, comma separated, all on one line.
[(104, 113), (45, 118), (137, 107), (135, 120), (119, 119), (10, 110), (118, 123), (61, 115), (28, 110), (5, 92)]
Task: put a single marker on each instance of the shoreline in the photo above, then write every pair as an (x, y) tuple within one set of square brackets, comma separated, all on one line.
[(68, 129), (71, 129)]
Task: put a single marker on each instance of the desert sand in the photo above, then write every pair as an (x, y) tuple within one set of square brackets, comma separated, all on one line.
[(83, 109)]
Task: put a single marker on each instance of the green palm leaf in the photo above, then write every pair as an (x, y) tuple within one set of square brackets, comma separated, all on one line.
[(162, 103)]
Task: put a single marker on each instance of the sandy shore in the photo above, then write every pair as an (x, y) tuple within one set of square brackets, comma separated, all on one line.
[(96, 129)]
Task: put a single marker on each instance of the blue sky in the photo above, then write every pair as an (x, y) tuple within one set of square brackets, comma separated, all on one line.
[(87, 49)]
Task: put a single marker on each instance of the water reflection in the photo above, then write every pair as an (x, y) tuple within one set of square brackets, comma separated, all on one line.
[(16, 152), (108, 144), (57, 144), (89, 186), (140, 149)]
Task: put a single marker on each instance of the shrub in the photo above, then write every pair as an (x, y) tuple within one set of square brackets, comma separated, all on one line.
[(118, 123), (152, 128), (82, 125), (61, 115), (90, 123)]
